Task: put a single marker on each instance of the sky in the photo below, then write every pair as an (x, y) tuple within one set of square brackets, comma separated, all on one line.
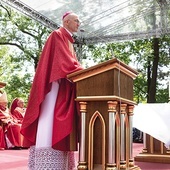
[(44, 4)]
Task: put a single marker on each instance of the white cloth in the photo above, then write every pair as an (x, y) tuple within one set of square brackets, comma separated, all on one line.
[(45, 123), (50, 159), (42, 156), (153, 119)]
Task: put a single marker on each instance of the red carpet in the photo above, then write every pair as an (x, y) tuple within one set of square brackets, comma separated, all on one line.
[(137, 148), (17, 160), (13, 159)]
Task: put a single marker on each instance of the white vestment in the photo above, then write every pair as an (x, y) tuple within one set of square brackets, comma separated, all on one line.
[(42, 155)]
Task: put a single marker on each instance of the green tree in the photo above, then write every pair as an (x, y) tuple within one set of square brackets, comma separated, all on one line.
[(26, 38), (22, 32)]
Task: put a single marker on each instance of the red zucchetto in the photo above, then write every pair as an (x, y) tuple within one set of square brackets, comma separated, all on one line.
[(67, 13)]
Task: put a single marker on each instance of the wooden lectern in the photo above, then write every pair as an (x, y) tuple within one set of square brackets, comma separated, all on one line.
[(105, 95)]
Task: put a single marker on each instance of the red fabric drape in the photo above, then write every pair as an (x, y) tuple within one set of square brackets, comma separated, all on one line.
[(2, 138), (56, 62)]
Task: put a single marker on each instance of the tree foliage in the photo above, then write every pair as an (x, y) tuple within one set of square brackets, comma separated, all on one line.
[(26, 38)]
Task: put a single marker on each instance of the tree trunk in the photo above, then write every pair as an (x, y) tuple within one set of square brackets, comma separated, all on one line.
[(152, 85)]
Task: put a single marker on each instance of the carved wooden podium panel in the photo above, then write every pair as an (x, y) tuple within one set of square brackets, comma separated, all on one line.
[(106, 84), (105, 95)]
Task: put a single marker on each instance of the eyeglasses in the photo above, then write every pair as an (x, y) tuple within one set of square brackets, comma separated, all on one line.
[(78, 21)]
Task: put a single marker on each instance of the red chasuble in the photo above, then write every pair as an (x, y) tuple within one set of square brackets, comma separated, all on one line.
[(56, 62), (2, 139)]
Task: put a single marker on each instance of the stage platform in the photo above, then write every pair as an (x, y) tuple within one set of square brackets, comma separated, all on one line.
[(17, 160)]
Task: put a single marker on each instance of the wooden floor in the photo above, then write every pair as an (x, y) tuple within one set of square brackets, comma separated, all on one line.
[(17, 160)]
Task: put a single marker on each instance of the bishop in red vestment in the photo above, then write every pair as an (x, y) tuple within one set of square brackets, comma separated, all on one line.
[(57, 60), (11, 127), (17, 109)]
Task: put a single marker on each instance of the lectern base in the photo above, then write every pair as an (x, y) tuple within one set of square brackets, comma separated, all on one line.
[(157, 158), (99, 167), (130, 168), (134, 168)]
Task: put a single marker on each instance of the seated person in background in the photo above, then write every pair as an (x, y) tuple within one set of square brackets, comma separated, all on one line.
[(2, 139), (17, 109), (137, 136), (13, 137)]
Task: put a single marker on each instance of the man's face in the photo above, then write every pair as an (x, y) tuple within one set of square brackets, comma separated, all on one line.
[(3, 105), (72, 23), (20, 103)]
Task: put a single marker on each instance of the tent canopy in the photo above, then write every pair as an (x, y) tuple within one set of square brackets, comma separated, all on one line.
[(103, 20)]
